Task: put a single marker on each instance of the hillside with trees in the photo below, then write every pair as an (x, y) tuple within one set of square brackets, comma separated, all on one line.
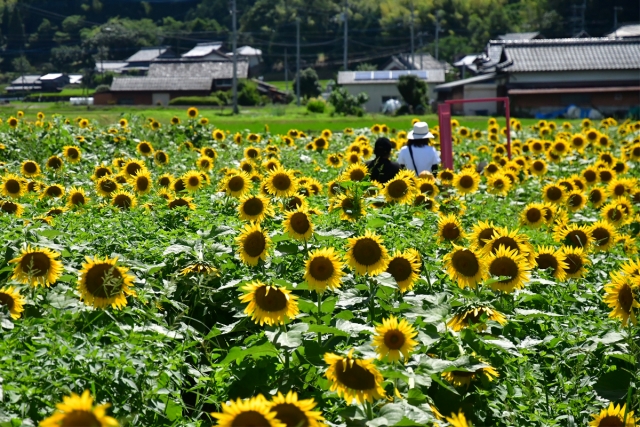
[(72, 35)]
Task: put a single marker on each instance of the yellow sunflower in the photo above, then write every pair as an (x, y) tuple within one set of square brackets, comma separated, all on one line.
[(123, 200), (254, 208), (132, 167), (576, 200), (181, 201), (192, 112), (269, 304), (510, 240), (349, 207), (614, 416), (465, 267), (466, 317), (354, 378), (614, 213), (79, 411), (294, 412), (253, 244), (101, 171), (236, 185), (554, 193), (499, 184), (141, 182), (576, 261), (37, 266), (192, 181), (281, 183), (72, 153), (161, 158), (577, 236), (204, 163), (603, 235), (597, 197), (355, 172), (482, 231), (511, 265), (218, 135), (394, 338), (323, 269), (405, 268), (621, 296), (533, 215), (106, 186), (466, 182), (13, 186), (460, 378), (11, 208), (77, 197), (251, 412), (367, 255), (553, 260), (104, 283), (399, 190), (450, 228), (298, 224), (538, 167), (145, 148), (30, 169), (11, 298), (54, 191), (458, 420)]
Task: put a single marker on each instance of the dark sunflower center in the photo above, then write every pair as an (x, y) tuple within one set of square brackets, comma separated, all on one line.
[(100, 172), (619, 167), (356, 175), (30, 167), (575, 200), (291, 415), (145, 148), (504, 266), (321, 268), (507, 242), (209, 152), (605, 176), (80, 418), (611, 421), (77, 199), (300, 222), (601, 236), (537, 146), (142, 183), (462, 374), (12, 186), (578, 238), (178, 202), (465, 262), (9, 207), (625, 298), (394, 339), (590, 176), (538, 165), (122, 201), (55, 212), (6, 299), (560, 147), (554, 193), (161, 157), (485, 234), (108, 186), (567, 185), (498, 183), (194, 181), (103, 281), (574, 262), (204, 163), (270, 299), (236, 183), (400, 269), (320, 143), (35, 264), (295, 202), (348, 206), (595, 196), (281, 181), (254, 244), (492, 168), (534, 215), (614, 214), (397, 188), (466, 181), (253, 206), (367, 251), (577, 142), (54, 191), (354, 376), (619, 190), (73, 153), (450, 231), (165, 181), (133, 168), (426, 188), (546, 261), (335, 188)]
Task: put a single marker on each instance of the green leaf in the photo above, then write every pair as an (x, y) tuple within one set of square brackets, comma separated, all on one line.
[(237, 354), (613, 385), (329, 304), (323, 329), (51, 233), (176, 249), (374, 223)]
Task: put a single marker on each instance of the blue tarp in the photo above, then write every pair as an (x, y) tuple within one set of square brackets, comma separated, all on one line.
[(584, 113)]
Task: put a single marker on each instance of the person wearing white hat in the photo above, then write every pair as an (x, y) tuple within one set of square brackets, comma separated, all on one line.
[(418, 155)]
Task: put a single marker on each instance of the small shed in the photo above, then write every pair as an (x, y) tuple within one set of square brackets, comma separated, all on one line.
[(54, 82), (25, 83), (153, 90)]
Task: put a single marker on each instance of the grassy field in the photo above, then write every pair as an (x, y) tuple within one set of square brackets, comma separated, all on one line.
[(279, 118)]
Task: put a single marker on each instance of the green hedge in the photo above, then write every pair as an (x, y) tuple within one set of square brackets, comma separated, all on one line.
[(196, 100)]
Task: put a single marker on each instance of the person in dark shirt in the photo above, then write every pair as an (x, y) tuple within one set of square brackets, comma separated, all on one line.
[(382, 169)]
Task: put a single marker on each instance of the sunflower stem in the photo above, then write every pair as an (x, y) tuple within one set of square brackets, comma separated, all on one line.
[(369, 410), (319, 316)]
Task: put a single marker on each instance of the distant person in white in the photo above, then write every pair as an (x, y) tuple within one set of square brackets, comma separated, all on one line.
[(418, 155)]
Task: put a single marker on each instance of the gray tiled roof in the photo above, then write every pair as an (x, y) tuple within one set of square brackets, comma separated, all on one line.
[(148, 54), (210, 69), (157, 84), (203, 49), (563, 55), (519, 36)]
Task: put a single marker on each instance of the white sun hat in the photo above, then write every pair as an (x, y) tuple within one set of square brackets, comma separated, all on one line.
[(420, 131)]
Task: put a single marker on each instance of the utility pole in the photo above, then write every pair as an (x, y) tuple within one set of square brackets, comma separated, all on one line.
[(438, 14), (297, 59), (412, 15), (286, 71), (346, 35), (615, 19), (584, 8), (235, 57)]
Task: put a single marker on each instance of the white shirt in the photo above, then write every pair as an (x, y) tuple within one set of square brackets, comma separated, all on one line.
[(425, 157)]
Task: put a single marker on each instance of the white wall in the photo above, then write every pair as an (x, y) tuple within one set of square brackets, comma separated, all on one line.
[(377, 91), (475, 91)]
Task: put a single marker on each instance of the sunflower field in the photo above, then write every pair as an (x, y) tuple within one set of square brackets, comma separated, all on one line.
[(177, 274)]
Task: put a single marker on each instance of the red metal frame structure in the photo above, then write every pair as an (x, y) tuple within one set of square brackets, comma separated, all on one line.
[(444, 118)]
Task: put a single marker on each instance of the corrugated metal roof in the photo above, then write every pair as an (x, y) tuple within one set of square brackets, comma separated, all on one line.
[(567, 54), (159, 84), (519, 36), (349, 77), (203, 49), (249, 51), (51, 76), (210, 69), (626, 31), (26, 79)]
